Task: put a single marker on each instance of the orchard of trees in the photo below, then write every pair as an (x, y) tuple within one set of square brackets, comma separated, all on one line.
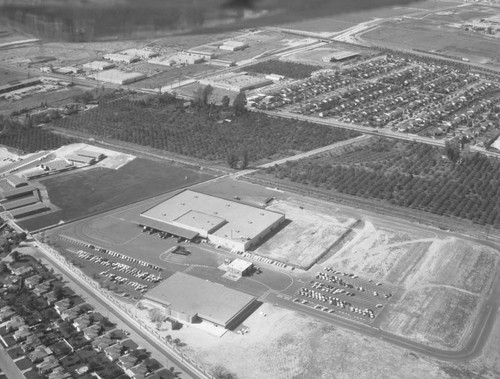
[(291, 70), (28, 138), (209, 132), (410, 175)]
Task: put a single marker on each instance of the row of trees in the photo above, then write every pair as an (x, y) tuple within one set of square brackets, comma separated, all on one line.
[(204, 132), (414, 176)]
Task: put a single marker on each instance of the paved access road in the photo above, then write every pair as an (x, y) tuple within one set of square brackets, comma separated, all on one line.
[(8, 366)]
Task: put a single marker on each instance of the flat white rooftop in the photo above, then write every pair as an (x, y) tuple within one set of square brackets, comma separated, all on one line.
[(232, 220)]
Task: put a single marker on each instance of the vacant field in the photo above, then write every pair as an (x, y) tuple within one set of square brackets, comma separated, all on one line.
[(307, 236), (100, 189), (380, 254), (424, 35), (459, 264), (7, 76), (432, 315)]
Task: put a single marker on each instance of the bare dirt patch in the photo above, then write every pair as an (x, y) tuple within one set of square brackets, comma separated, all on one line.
[(436, 316), (285, 344), (307, 236)]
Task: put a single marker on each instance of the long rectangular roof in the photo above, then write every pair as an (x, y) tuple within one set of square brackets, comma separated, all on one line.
[(9, 205), (243, 221), (192, 295), (20, 212), (19, 191)]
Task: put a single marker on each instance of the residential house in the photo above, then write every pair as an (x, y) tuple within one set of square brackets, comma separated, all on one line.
[(39, 354), (62, 305), (128, 345), (50, 297), (102, 342), (30, 344), (137, 372), (48, 365), (32, 281), (14, 323), (81, 370), (22, 333), (82, 322), (6, 313), (22, 271), (59, 373), (71, 313), (113, 352), (42, 288), (91, 332), (127, 361)]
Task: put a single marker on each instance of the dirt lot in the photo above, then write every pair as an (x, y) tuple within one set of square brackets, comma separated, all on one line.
[(307, 236), (442, 281), (284, 344), (433, 315)]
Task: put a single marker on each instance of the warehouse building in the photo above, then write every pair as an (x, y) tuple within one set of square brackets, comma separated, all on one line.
[(237, 81), (14, 204), (121, 58), (142, 53), (224, 223), (119, 77), (28, 210), (189, 300), (16, 182), (207, 51), (98, 65), (340, 56), (184, 58), (233, 45), (16, 193), (19, 84)]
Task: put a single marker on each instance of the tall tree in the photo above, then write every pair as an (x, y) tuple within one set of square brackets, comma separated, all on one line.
[(240, 103)]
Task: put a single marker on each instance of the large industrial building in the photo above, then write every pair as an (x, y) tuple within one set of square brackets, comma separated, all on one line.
[(340, 56), (223, 222), (98, 65), (237, 81), (190, 299), (119, 77)]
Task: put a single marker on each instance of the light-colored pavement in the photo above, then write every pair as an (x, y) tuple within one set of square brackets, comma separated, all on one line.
[(8, 366)]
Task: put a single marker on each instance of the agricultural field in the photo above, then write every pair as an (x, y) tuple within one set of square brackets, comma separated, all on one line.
[(307, 237), (442, 281), (406, 174), (201, 132), (100, 189), (424, 35)]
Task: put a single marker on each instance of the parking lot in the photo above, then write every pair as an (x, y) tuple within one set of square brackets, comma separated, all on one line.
[(346, 295)]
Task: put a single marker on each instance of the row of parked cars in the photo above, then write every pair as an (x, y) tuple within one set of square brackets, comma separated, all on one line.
[(122, 280), (124, 257), (122, 267)]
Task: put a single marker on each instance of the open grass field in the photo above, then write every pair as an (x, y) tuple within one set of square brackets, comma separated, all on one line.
[(308, 235), (7, 76), (100, 189), (433, 315), (216, 97), (425, 35)]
